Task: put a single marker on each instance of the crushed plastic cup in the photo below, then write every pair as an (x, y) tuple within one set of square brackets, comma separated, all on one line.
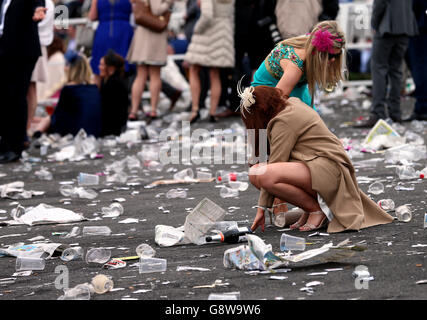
[(376, 188), (403, 213), (77, 192), (406, 172), (186, 174), (23, 263), (43, 174), (204, 175), (291, 243), (17, 212), (386, 204), (79, 292), (148, 265), (224, 296), (238, 185), (74, 253), (102, 284), (144, 250), (113, 210), (96, 231), (228, 192), (176, 193), (86, 179), (98, 255)]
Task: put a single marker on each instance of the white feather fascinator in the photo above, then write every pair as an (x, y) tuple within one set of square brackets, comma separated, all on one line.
[(246, 97)]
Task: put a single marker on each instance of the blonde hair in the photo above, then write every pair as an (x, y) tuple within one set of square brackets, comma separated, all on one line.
[(318, 71), (79, 71)]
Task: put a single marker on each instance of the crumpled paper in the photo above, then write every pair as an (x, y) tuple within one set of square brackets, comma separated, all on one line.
[(15, 190)]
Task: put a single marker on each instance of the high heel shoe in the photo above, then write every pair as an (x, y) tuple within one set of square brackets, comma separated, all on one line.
[(213, 119), (193, 119), (312, 227)]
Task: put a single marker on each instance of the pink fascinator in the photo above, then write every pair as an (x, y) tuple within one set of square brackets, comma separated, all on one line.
[(323, 41)]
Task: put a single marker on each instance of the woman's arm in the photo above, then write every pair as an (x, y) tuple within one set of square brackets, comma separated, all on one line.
[(93, 12), (159, 7), (282, 140), (291, 75)]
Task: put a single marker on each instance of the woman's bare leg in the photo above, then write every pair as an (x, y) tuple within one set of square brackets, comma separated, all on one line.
[(155, 87), (291, 181), (43, 124), (138, 87), (32, 102), (195, 88), (216, 88)]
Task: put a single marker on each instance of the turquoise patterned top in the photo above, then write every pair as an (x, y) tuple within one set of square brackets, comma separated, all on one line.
[(270, 72)]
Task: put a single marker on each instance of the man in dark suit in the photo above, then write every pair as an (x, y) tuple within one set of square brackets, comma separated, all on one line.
[(19, 51), (393, 23)]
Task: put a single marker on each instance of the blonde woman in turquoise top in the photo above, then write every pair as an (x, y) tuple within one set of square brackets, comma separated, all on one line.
[(298, 65), (301, 64)]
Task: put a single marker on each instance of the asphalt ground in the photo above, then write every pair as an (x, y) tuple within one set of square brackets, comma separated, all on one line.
[(392, 256)]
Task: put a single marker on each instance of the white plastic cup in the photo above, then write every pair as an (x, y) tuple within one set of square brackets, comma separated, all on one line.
[(96, 231), (376, 188), (403, 213), (23, 263), (86, 179), (115, 209), (228, 192), (148, 265), (79, 292), (74, 253), (175, 193), (386, 204), (292, 243), (224, 296), (144, 250), (102, 284), (98, 255), (204, 175), (184, 174)]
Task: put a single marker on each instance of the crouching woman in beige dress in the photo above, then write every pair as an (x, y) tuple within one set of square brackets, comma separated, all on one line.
[(307, 163)]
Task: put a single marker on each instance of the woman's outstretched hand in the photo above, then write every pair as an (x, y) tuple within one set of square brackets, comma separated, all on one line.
[(259, 220)]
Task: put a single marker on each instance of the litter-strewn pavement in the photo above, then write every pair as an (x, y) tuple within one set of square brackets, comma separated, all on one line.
[(388, 262)]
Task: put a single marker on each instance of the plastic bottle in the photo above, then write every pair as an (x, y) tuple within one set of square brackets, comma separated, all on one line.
[(102, 284), (229, 236), (423, 173), (74, 253), (226, 176), (386, 204), (238, 185)]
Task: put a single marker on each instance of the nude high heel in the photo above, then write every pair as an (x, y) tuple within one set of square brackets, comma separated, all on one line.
[(311, 227)]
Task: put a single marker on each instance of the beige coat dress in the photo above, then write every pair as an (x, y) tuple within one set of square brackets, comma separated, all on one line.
[(299, 134), (149, 47), (212, 43)]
